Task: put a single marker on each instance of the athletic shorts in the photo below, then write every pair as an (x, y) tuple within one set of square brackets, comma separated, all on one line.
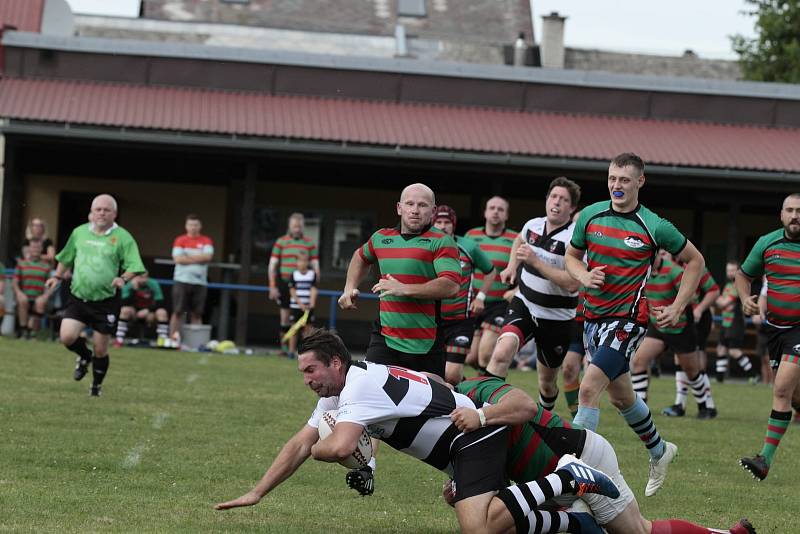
[(784, 345), (379, 352), (598, 453), (492, 316), (732, 337), (682, 343), (296, 313), (189, 298), (552, 337), (284, 295), (457, 337), (703, 329), (611, 344), (479, 462), (576, 342), (100, 315)]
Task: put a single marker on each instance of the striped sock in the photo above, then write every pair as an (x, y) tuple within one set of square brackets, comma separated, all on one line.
[(541, 522), (122, 330), (641, 383), (524, 498), (162, 330), (709, 398), (571, 396), (776, 428), (548, 403), (681, 387), (722, 365), (744, 363), (698, 390), (640, 420)]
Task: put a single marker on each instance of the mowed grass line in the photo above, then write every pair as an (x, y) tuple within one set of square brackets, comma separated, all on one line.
[(175, 433)]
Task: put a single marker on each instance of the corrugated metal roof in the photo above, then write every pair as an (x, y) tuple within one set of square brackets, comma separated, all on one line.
[(437, 127), (24, 15)]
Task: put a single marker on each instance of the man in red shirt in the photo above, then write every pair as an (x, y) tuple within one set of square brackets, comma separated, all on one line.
[(192, 252)]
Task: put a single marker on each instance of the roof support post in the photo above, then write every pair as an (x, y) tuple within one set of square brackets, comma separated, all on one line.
[(246, 241)]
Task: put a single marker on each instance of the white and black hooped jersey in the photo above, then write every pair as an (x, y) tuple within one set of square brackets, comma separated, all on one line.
[(403, 408), (302, 283), (543, 298)]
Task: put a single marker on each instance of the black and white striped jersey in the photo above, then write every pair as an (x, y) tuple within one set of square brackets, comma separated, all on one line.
[(302, 283), (543, 298), (403, 408)]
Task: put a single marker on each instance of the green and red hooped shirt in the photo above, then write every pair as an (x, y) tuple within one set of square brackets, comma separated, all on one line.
[(626, 243), (473, 261), (408, 324), (661, 290), (498, 248), (285, 251)]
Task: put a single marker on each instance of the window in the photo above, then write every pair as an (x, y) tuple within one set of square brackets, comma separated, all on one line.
[(348, 235), (411, 8)]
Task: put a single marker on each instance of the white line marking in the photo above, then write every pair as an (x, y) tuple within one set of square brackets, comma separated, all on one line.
[(192, 377), (133, 457), (159, 419), (203, 360)]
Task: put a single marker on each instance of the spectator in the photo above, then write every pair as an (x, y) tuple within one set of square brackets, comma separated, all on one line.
[(31, 295), (192, 252), (96, 252), (142, 300), (283, 262), (37, 231), (303, 292)]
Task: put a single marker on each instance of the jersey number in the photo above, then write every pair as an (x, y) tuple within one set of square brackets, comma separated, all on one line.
[(397, 383)]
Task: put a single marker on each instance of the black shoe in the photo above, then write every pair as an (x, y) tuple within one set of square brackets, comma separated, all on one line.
[(95, 391), (706, 413), (743, 527), (81, 368), (362, 480), (676, 410), (720, 377), (757, 465)]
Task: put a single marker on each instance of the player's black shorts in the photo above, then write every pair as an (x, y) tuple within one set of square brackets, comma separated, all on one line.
[(492, 316), (296, 313), (284, 296), (703, 329), (576, 342), (457, 338), (379, 352), (100, 315), (552, 337), (784, 345), (732, 337), (189, 298), (479, 462), (681, 343)]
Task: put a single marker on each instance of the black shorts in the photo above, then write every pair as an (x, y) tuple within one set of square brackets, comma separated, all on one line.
[(681, 343), (479, 462), (189, 298), (430, 362), (784, 345), (457, 338), (732, 337), (552, 337), (100, 315), (492, 316), (576, 341), (703, 329), (296, 313), (284, 295)]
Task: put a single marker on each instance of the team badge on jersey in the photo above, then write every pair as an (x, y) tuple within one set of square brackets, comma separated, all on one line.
[(633, 242), (621, 335), (111, 318), (796, 348), (387, 241)]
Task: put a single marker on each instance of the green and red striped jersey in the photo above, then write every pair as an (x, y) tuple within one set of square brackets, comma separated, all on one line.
[(661, 290), (498, 248), (472, 260), (729, 314), (408, 324), (778, 257), (529, 457), (285, 251), (31, 276), (626, 243)]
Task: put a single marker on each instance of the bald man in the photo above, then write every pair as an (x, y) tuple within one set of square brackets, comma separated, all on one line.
[(96, 253)]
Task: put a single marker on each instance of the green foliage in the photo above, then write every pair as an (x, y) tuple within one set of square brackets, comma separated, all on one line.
[(774, 55), (175, 433)]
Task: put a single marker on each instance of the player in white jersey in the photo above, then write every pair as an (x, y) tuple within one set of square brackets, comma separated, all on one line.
[(544, 305), (419, 416)]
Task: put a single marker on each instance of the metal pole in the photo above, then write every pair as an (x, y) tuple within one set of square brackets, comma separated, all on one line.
[(246, 241)]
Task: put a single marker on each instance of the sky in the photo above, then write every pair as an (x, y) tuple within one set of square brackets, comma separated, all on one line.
[(667, 28)]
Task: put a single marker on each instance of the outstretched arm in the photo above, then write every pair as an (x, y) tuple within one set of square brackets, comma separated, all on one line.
[(291, 456), (513, 408)]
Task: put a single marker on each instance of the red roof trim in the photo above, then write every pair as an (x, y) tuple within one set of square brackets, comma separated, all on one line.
[(23, 15)]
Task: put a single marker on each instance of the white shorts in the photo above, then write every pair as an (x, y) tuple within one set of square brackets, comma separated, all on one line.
[(598, 453)]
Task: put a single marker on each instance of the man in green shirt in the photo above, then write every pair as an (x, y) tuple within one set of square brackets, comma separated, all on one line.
[(96, 253)]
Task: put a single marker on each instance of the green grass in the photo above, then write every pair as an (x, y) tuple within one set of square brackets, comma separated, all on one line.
[(204, 428)]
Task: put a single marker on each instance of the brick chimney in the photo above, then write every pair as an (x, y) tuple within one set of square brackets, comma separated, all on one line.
[(553, 41)]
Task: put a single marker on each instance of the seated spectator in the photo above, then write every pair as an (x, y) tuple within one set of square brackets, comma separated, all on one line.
[(37, 231), (303, 292), (142, 300), (29, 277)]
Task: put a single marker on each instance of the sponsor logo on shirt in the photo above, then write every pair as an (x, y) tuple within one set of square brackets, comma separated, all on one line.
[(796, 348), (598, 234), (387, 241), (633, 242)]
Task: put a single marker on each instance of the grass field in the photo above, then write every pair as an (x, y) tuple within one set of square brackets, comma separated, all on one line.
[(176, 432)]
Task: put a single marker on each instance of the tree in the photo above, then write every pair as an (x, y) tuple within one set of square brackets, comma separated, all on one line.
[(774, 55)]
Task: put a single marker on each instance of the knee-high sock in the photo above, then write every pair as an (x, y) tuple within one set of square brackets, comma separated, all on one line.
[(522, 499), (587, 418), (99, 370), (80, 348), (548, 403), (122, 329), (641, 383), (698, 390), (677, 526), (681, 387), (776, 428), (571, 396), (640, 420)]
